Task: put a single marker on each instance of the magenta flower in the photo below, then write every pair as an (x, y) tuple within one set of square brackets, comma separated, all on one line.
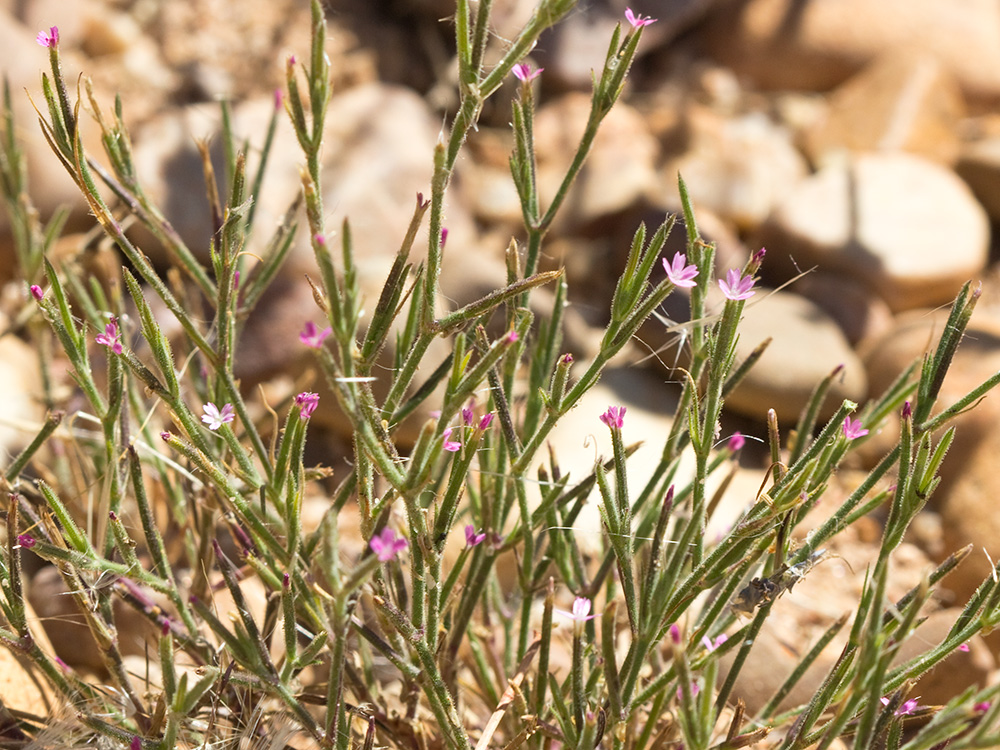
[(110, 336), (36, 292), (450, 445), (907, 708), (566, 359), (468, 414), (853, 428), (312, 337), (512, 337), (444, 236), (964, 648), (26, 540), (907, 410), (386, 546), (307, 403), (50, 39), (525, 74), (679, 273), (737, 287), (614, 417), (711, 645), (579, 615), (485, 421), (675, 632), (473, 539), (736, 441), (638, 21), (981, 707), (215, 417)]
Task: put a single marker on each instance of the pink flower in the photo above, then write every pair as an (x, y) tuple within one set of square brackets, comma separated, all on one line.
[(675, 632), (36, 292), (566, 359), (981, 707), (450, 445), (485, 421), (215, 417), (964, 648), (614, 417), (444, 236), (759, 256), (110, 336), (579, 615), (711, 645), (736, 441), (386, 546), (525, 74), (473, 539), (638, 21), (468, 414), (907, 410), (679, 273), (853, 428), (907, 708), (307, 403), (48, 40), (512, 337), (26, 540), (736, 286), (312, 337), (279, 99)]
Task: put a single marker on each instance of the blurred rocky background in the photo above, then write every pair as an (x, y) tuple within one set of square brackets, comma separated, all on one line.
[(858, 141)]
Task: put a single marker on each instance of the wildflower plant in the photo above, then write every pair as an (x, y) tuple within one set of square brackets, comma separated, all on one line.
[(413, 640)]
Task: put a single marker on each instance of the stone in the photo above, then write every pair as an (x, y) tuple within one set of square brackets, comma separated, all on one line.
[(806, 346), (738, 167), (871, 218), (859, 312), (900, 102), (786, 44), (619, 172), (979, 165)]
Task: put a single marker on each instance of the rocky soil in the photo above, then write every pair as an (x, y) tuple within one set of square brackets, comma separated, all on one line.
[(865, 157)]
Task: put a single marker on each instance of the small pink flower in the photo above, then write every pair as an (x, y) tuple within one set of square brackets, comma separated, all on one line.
[(758, 256), (853, 428), (51, 39), (907, 410), (512, 337), (614, 417), (580, 613), (485, 421), (473, 539), (386, 546), (638, 21), (164, 436), (468, 414), (964, 648), (679, 273), (444, 236), (450, 445), (711, 645), (26, 540), (279, 99), (307, 403), (215, 417), (36, 292), (320, 240), (675, 634), (566, 359), (695, 689), (736, 441), (907, 708), (312, 337), (981, 707), (737, 287), (110, 337), (525, 74), (291, 61)]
